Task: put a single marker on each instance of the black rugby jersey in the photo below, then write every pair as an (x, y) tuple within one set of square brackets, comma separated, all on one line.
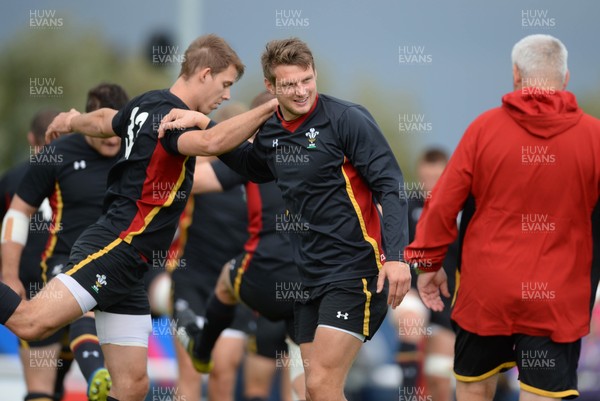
[(331, 168), (212, 231), (269, 232), (72, 175), (29, 266), (149, 185)]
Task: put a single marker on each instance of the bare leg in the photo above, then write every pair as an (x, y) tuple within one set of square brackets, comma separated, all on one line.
[(258, 376), (189, 382), (527, 396), (127, 366), (477, 391), (227, 355), (329, 358), (39, 367), (439, 382)]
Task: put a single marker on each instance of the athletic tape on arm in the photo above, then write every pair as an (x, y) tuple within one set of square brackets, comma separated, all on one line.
[(15, 227)]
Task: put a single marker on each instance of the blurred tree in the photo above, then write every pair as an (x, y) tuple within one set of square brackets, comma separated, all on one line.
[(387, 107), (56, 68), (590, 103)]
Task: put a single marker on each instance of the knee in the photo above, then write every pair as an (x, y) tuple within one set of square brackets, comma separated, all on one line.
[(223, 372), (137, 388), (141, 387), (130, 385), (320, 387)]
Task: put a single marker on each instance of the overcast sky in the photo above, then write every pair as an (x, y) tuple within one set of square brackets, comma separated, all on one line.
[(450, 57)]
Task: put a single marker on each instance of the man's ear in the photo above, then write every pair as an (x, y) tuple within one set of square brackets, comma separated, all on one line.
[(202, 74), (269, 86), (567, 76), (517, 79)]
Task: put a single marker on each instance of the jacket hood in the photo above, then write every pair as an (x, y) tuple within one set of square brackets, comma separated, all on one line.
[(541, 112)]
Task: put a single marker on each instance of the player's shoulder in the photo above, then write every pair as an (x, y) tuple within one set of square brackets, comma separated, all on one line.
[(159, 98), (335, 108), (591, 120), (336, 104), (489, 115)]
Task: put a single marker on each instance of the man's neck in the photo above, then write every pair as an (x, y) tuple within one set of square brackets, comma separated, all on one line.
[(181, 89)]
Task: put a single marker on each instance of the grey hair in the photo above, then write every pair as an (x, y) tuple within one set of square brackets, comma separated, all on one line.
[(541, 56)]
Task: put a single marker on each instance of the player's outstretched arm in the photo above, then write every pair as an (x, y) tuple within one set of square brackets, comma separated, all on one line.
[(15, 229), (220, 138), (97, 123)]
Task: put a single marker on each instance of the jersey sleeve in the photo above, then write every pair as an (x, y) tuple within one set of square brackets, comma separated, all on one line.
[(437, 227), (120, 121), (249, 160), (169, 141), (368, 151), (226, 176), (39, 180)]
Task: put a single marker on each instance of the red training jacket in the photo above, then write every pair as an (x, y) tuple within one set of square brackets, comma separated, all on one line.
[(533, 166)]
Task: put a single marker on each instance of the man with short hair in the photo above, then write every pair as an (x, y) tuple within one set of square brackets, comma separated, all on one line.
[(29, 274), (71, 173), (523, 297), (147, 191), (343, 249), (254, 276)]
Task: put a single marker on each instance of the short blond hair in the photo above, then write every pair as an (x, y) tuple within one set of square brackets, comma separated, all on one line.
[(213, 52)]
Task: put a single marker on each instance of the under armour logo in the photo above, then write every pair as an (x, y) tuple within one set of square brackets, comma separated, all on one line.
[(80, 165), (342, 315), (275, 143), (87, 354)]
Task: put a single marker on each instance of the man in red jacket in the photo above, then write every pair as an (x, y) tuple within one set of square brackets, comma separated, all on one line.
[(525, 285)]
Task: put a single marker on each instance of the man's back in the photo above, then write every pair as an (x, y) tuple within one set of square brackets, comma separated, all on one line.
[(534, 172)]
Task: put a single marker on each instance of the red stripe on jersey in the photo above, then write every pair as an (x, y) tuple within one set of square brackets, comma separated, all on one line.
[(56, 204), (255, 216), (362, 199), (293, 125), (164, 175)]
